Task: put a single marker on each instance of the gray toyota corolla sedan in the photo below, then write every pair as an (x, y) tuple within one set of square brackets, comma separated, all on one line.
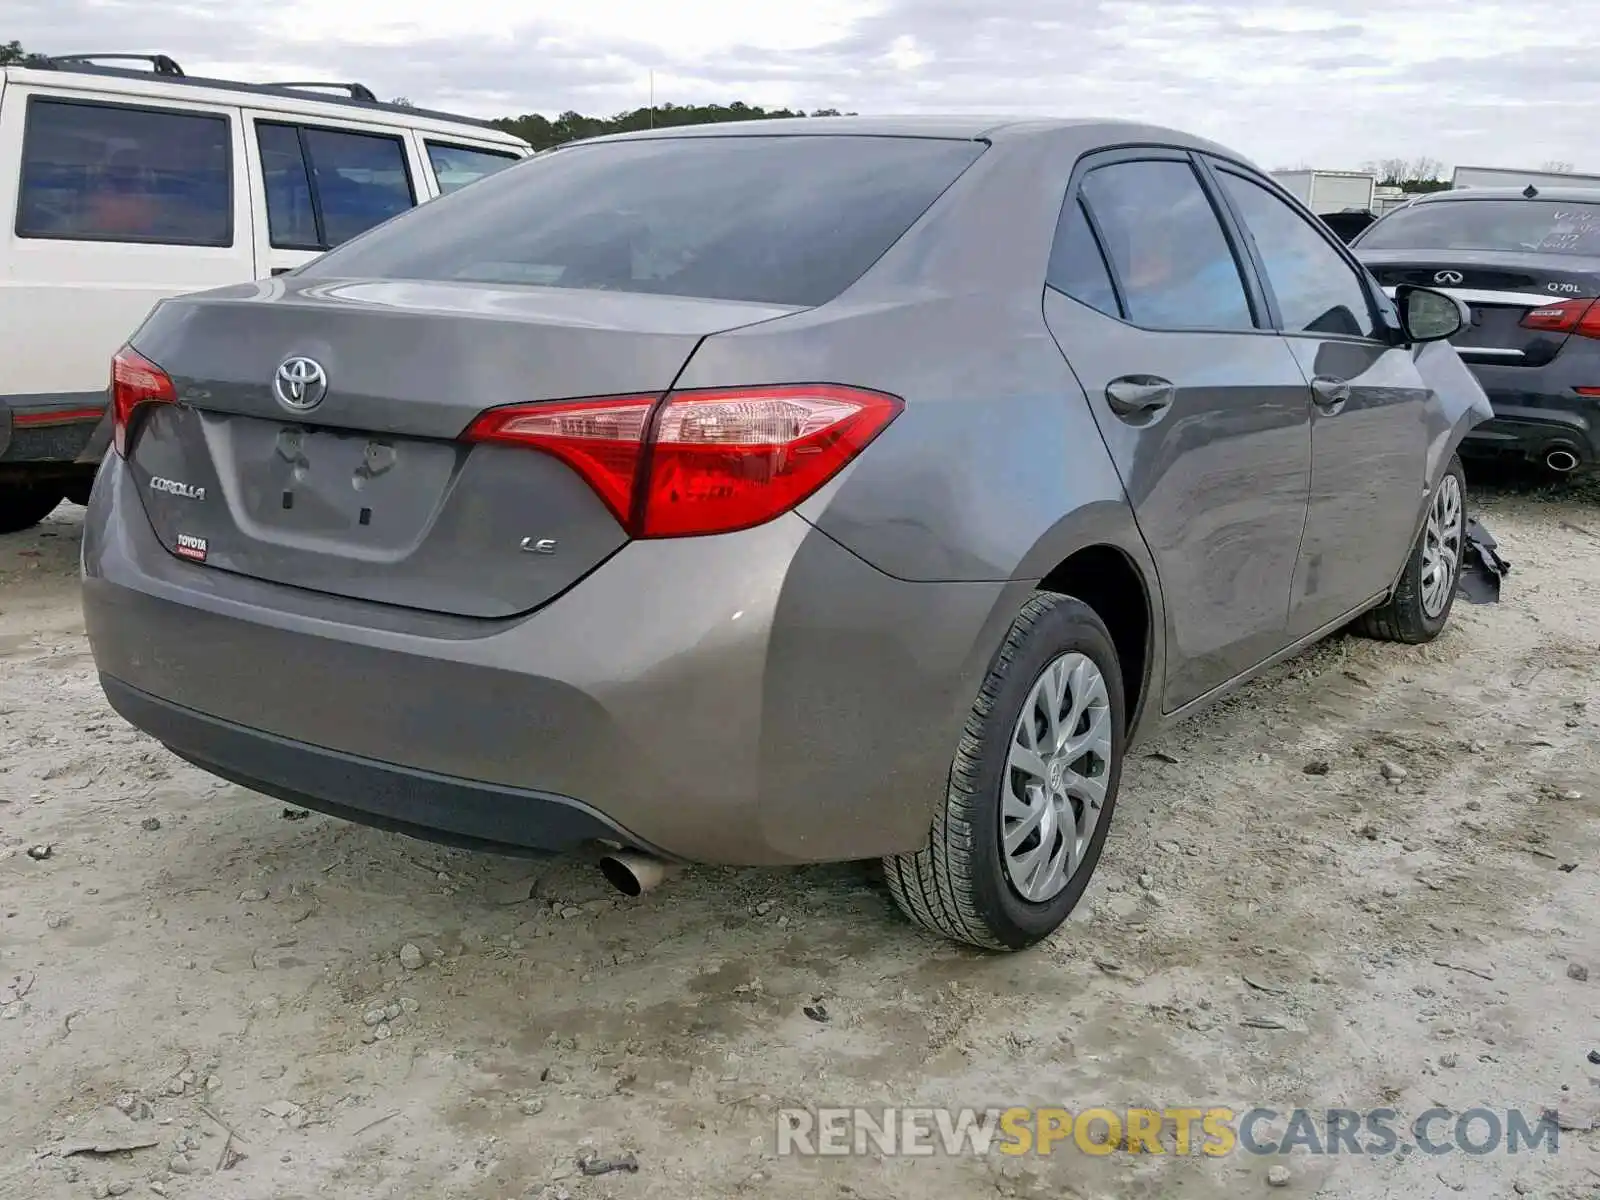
[(775, 493)]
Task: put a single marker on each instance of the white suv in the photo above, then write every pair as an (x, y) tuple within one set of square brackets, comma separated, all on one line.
[(120, 187)]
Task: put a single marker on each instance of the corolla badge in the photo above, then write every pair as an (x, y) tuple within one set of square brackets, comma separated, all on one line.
[(1450, 277), (173, 487), (300, 383)]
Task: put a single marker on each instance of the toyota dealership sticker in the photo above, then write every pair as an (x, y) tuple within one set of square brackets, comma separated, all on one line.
[(193, 547)]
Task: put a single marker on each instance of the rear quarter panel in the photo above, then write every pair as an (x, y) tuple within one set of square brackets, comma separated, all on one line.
[(995, 470)]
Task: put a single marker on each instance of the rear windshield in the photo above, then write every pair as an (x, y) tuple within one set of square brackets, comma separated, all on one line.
[(775, 220), (1545, 226)]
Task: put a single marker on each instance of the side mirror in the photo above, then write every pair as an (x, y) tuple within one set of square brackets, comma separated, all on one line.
[(1430, 316)]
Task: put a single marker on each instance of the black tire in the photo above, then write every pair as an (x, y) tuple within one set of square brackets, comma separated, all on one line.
[(23, 505), (957, 884), (1403, 617), (77, 489)]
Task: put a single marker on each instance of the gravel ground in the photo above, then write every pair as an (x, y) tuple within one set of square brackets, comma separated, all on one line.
[(298, 1007)]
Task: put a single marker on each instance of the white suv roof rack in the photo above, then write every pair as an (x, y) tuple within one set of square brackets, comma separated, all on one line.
[(170, 71)]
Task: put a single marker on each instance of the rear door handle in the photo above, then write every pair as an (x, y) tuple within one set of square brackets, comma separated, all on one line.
[(281, 270), (1329, 394), (1139, 395)]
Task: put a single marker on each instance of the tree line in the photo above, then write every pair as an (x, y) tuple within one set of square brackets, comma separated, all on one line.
[(542, 132), (12, 54)]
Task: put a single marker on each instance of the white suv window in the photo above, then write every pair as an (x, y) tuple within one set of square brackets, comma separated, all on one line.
[(456, 166), (324, 186), (123, 173)]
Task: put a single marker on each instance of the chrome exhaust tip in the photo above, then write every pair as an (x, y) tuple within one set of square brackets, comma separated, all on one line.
[(1560, 460), (635, 874)]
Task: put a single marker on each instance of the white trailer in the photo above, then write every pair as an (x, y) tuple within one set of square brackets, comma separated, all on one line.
[(1325, 192), (1388, 198), (1471, 177)]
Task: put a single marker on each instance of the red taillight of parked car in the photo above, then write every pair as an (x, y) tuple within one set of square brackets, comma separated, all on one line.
[(1581, 317), (704, 461), (135, 382)]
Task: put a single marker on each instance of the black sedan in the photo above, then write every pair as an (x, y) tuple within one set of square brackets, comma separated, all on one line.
[(1527, 262)]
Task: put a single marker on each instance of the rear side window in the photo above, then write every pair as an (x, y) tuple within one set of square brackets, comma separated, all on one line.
[(770, 219), (114, 173), (324, 186), (1171, 257), (1316, 289), (456, 166), (1076, 265)]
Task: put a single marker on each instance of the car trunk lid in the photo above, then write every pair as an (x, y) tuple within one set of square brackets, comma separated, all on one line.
[(1500, 289), (367, 491)]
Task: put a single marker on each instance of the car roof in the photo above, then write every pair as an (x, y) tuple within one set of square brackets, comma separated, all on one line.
[(1567, 195), (973, 127), (132, 81)]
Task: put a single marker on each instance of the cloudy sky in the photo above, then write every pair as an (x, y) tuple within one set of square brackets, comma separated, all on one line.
[(1330, 84)]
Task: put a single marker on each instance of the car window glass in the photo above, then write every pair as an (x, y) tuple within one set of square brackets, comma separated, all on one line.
[(769, 219), (105, 172), (361, 180), (1166, 243), (456, 166), (1317, 290), (1076, 265), (291, 217)]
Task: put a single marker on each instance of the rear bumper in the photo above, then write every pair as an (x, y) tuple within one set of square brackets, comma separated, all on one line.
[(1531, 434), (1537, 409), (760, 698), (388, 796), (55, 428)]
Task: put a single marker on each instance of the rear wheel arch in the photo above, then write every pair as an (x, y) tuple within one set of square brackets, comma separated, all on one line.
[(1105, 578)]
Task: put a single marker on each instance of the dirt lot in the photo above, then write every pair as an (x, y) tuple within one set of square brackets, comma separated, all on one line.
[(190, 953)]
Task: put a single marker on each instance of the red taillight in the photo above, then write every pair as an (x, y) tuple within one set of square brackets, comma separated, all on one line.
[(725, 460), (135, 382), (599, 439), (711, 461), (1581, 317)]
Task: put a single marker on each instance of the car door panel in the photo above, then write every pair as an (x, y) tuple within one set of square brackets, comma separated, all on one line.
[(1217, 482), (1367, 480), (81, 265), (1368, 405), (1208, 427)]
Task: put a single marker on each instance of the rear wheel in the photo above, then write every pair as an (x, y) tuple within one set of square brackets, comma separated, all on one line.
[(1420, 607), (24, 503), (1031, 790), (77, 488)]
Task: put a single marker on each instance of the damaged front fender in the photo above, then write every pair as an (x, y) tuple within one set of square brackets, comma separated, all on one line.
[(1456, 404)]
